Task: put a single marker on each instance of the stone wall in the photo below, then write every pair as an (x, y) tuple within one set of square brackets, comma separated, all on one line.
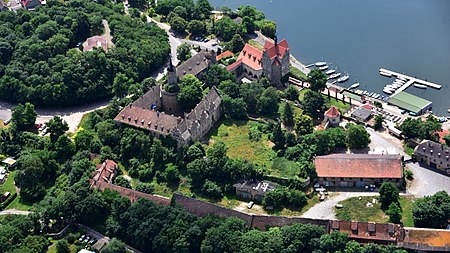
[(130, 194)]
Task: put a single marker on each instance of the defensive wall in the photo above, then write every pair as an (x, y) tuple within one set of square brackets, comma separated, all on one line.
[(363, 232)]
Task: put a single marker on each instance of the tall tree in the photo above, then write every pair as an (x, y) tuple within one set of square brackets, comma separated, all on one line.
[(115, 246), (287, 115), (357, 137), (389, 194), (56, 127), (184, 52), (303, 124), (190, 93), (317, 80), (23, 116), (312, 102)]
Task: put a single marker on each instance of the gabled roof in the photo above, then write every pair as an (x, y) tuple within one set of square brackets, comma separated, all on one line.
[(196, 64), (359, 166), (276, 50), (251, 57), (332, 112), (106, 171), (96, 41), (146, 119), (225, 54)]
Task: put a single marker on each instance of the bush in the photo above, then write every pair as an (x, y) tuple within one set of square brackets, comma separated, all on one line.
[(254, 134), (409, 174), (71, 238)]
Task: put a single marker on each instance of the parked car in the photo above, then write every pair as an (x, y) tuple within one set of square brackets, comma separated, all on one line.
[(93, 241), (37, 126), (81, 238), (250, 204), (6, 122), (43, 126)]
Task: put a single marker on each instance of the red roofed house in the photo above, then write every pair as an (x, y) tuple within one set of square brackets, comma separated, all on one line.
[(225, 54), (358, 170), (105, 172), (96, 41), (272, 62), (332, 116), (442, 134)]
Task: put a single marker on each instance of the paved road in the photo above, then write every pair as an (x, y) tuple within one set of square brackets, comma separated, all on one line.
[(325, 209), (14, 211), (427, 182)]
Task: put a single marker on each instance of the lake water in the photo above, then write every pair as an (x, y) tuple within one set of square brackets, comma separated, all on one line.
[(361, 36)]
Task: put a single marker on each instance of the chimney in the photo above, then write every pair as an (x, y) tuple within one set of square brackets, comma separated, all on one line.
[(446, 157), (123, 116), (439, 155)]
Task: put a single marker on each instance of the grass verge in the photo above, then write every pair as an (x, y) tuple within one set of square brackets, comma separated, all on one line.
[(297, 73)]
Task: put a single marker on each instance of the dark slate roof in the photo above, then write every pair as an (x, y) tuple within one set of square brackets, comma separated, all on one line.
[(200, 114), (195, 65), (152, 97), (2, 6), (433, 149), (362, 113)]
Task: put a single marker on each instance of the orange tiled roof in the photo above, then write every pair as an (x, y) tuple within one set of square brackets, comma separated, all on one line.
[(442, 134), (225, 54), (430, 237), (251, 57), (105, 171), (276, 50), (96, 41), (359, 166), (332, 112)]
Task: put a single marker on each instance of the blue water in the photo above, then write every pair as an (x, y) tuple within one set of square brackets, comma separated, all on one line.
[(360, 36)]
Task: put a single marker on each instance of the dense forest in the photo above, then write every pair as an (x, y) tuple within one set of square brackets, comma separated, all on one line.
[(41, 61)]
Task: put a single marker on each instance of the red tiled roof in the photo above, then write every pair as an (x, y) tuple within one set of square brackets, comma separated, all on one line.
[(276, 50), (332, 112), (154, 121), (225, 54), (96, 41), (234, 65), (359, 166), (106, 171), (368, 107), (442, 134), (251, 57)]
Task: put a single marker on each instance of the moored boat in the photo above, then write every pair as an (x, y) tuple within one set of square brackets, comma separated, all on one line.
[(343, 78), (387, 91), (355, 85), (331, 71), (385, 74), (420, 86), (323, 67), (335, 75), (320, 64)]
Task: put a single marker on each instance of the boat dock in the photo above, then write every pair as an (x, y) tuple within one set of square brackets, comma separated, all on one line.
[(410, 81)]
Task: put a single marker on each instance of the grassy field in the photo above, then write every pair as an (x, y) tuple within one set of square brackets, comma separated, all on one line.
[(235, 135), (296, 73), (408, 150), (255, 44), (339, 104), (407, 204), (356, 210), (9, 186)]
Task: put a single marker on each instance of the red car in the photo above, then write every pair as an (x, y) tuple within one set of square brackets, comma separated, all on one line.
[(37, 126)]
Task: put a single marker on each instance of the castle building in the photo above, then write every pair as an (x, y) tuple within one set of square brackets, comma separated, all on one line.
[(273, 62), (332, 116)]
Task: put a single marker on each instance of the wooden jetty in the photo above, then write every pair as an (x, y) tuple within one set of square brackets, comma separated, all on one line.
[(410, 80)]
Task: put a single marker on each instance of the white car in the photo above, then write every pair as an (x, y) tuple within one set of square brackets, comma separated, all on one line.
[(250, 204)]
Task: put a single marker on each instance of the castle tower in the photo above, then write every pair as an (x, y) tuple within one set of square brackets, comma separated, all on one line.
[(171, 73)]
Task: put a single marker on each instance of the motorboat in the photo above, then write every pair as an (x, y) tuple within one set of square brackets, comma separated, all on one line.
[(320, 64), (370, 94), (402, 78), (335, 75), (448, 110), (365, 92), (331, 71), (323, 67), (343, 78), (355, 85), (399, 81), (420, 86)]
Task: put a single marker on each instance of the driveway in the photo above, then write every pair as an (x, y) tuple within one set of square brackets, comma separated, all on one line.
[(426, 182), (325, 209), (14, 211)]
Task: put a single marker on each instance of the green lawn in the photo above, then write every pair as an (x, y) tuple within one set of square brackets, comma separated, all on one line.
[(408, 150), (297, 212), (8, 186), (407, 204), (235, 135), (255, 44), (297, 73), (356, 210), (281, 167), (339, 104)]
